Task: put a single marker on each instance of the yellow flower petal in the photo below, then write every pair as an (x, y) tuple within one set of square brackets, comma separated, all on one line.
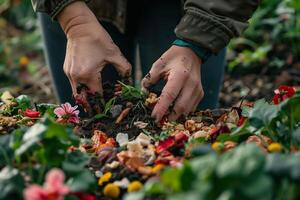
[(23, 61), (105, 178), (157, 168), (275, 147), (217, 146), (134, 186), (111, 190)]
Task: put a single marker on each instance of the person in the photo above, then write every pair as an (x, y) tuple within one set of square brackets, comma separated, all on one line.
[(102, 36)]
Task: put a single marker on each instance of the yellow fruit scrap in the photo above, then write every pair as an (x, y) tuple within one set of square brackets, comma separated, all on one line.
[(105, 178), (217, 147), (134, 186), (157, 168), (111, 190), (23, 61), (275, 147)]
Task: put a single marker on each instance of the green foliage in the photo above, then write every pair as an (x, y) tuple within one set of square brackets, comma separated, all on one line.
[(279, 122), (36, 150), (11, 183), (22, 101), (131, 93), (243, 173), (275, 23), (107, 108)]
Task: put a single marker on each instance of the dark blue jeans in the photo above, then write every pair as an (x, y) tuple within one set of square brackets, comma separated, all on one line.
[(152, 30)]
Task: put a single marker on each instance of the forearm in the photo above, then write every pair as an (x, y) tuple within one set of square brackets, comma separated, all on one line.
[(212, 24), (73, 16)]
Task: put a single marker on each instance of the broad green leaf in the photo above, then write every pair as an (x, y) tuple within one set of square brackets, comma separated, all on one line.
[(259, 187), (171, 179), (11, 183), (243, 162), (31, 137), (75, 162), (84, 181), (262, 114)]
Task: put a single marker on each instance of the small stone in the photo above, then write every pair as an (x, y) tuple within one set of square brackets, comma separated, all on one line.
[(122, 139), (98, 174), (116, 110)]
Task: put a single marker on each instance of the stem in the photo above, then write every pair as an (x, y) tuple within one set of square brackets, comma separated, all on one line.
[(30, 166), (41, 173)]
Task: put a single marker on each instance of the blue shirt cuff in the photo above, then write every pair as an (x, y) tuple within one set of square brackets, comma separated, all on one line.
[(203, 53)]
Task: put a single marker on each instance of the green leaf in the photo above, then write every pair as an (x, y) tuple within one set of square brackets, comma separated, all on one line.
[(187, 178), (262, 114), (11, 184), (6, 153), (75, 162), (171, 178), (152, 188), (100, 116), (134, 196), (82, 182), (284, 165), (109, 105), (131, 93), (291, 109), (31, 137), (243, 162), (23, 102), (296, 136), (259, 187)]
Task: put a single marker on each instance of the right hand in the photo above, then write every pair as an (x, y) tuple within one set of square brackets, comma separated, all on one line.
[(89, 48)]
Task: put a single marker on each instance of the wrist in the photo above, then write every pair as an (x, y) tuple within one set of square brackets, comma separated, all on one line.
[(202, 53), (75, 18)]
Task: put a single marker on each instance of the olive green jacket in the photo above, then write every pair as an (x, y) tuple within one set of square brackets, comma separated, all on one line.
[(207, 23)]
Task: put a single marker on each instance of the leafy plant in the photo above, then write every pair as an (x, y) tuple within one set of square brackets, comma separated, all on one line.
[(243, 173), (130, 92)]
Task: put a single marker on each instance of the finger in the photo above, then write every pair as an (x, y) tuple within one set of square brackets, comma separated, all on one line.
[(171, 90), (122, 65), (67, 69), (154, 74), (197, 101), (95, 83), (184, 103)]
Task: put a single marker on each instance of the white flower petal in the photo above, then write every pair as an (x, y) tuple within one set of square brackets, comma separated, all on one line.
[(122, 139)]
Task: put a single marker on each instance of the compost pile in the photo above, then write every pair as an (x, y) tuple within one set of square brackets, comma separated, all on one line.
[(117, 151)]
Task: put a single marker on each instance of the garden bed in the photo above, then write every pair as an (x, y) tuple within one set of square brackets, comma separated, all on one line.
[(117, 151)]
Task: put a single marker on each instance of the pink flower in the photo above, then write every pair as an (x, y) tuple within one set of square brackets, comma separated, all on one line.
[(54, 188), (34, 192), (67, 114)]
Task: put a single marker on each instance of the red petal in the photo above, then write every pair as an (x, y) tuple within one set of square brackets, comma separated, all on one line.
[(165, 144), (241, 121), (181, 137), (276, 99), (31, 113)]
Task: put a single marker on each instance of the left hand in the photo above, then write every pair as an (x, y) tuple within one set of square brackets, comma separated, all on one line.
[(180, 67)]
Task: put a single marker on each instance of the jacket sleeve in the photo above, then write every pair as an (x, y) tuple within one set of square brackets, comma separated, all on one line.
[(51, 7), (212, 24)]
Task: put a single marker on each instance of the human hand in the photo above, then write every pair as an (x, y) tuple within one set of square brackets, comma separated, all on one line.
[(89, 48), (180, 67)]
